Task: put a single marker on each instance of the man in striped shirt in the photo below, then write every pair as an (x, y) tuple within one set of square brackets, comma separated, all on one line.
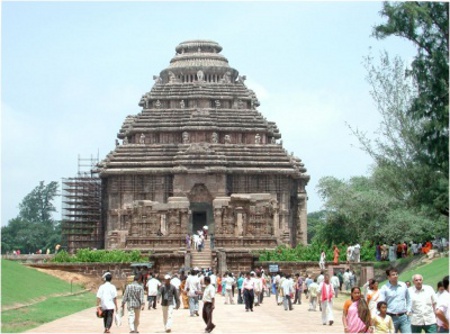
[(134, 297)]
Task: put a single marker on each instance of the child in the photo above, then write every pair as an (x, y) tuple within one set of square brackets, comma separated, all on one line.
[(382, 322)]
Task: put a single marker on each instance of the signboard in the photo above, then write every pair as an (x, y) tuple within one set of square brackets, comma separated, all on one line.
[(273, 268)]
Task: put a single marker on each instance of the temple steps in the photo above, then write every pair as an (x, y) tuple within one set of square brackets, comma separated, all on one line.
[(202, 259)]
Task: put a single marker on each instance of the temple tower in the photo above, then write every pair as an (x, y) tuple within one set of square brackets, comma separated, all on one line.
[(199, 153)]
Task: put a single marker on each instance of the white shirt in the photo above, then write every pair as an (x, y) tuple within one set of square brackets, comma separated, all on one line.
[(213, 279), (320, 279), (176, 282), (422, 302), (334, 280), (107, 292), (152, 286), (229, 283), (209, 293), (287, 287), (443, 304), (192, 285)]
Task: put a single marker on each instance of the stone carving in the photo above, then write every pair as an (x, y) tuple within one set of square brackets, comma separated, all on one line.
[(241, 104), (199, 148), (257, 139), (158, 104), (117, 142), (172, 77), (142, 139), (227, 139), (200, 76), (242, 78), (214, 138), (185, 137), (273, 140), (157, 80), (182, 104), (217, 103), (125, 141), (226, 77)]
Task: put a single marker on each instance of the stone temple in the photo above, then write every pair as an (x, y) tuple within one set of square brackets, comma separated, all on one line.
[(199, 153)]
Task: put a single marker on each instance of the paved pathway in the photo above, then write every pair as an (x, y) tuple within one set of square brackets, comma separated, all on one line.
[(267, 318)]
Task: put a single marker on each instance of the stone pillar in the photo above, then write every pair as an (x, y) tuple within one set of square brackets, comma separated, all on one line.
[(240, 222), (163, 224), (276, 223), (302, 229)]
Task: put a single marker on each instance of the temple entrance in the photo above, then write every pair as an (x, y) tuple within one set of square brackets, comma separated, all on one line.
[(198, 221)]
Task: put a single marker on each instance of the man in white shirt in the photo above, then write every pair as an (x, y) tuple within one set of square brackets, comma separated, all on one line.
[(443, 309), (208, 305), (229, 281), (335, 283), (288, 287), (193, 290), (423, 301), (213, 279), (152, 291), (107, 300), (175, 281)]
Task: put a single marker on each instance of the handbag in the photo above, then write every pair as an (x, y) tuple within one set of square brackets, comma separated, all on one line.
[(99, 312)]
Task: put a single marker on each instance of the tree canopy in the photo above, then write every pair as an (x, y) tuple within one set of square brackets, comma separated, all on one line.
[(34, 228)]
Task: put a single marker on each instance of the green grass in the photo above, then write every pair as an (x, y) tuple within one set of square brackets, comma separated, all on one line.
[(21, 284), (432, 272), (20, 320)]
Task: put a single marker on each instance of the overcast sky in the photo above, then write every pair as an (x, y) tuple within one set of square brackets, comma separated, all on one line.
[(72, 71)]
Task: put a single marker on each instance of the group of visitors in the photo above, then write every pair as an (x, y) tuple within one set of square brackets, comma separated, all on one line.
[(397, 307), (197, 240), (389, 309), (385, 252)]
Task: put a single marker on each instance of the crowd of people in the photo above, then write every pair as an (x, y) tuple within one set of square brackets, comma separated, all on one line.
[(394, 251), (395, 306)]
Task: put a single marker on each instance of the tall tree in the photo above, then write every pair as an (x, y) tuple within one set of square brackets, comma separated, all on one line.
[(34, 228), (426, 25)]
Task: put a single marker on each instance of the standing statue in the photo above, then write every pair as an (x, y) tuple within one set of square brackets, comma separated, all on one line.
[(257, 139), (217, 102), (215, 138), (227, 139), (172, 77), (158, 104), (182, 104), (200, 76), (185, 137), (117, 142), (142, 139), (125, 141)]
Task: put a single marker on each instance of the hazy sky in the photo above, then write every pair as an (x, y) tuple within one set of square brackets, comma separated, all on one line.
[(72, 71)]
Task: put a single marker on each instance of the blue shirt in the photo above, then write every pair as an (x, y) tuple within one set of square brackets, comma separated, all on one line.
[(396, 296)]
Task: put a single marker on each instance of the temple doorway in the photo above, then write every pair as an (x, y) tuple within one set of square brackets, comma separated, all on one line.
[(198, 220)]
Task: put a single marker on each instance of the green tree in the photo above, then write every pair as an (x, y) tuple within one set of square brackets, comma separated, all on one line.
[(34, 228), (425, 24)]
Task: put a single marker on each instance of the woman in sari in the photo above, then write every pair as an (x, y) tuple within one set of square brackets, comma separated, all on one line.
[(184, 296), (372, 297), (356, 314), (336, 255)]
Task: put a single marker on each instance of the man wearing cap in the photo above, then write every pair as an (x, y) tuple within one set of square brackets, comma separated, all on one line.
[(107, 300), (168, 294), (193, 289), (134, 297)]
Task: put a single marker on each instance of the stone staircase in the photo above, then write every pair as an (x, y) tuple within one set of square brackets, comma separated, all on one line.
[(202, 259)]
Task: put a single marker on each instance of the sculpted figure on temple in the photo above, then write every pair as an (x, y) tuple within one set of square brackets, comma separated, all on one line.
[(125, 141), (227, 139), (157, 79), (142, 139), (172, 77), (226, 77), (200, 76), (182, 104), (185, 136), (242, 78), (215, 138), (158, 104), (273, 140), (117, 142), (217, 102), (257, 139)]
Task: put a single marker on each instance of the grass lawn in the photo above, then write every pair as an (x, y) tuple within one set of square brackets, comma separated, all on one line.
[(432, 272), (20, 320), (21, 284)]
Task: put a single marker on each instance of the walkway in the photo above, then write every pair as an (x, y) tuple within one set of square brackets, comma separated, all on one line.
[(267, 318)]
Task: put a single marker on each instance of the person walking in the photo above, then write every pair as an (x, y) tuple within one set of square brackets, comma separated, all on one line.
[(336, 253), (423, 304), (193, 290), (355, 314), (298, 289), (326, 293), (334, 281), (443, 308), (134, 298), (240, 282), (313, 290), (247, 291), (229, 281), (288, 289), (322, 260), (396, 295), (208, 305), (168, 295), (107, 300), (372, 297), (152, 285)]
